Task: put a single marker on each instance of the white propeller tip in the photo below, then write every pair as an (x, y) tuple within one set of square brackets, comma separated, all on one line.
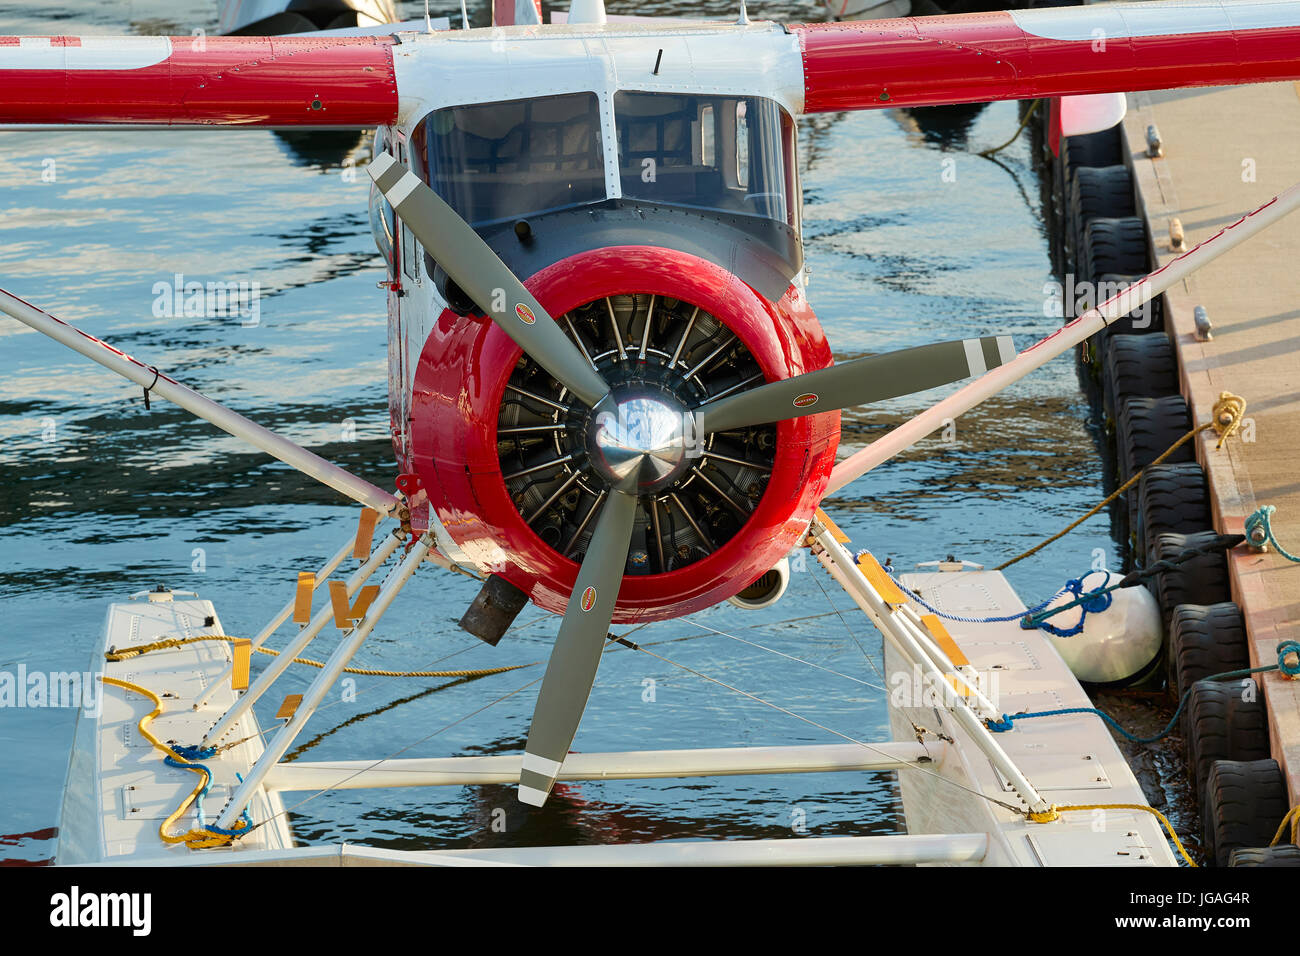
[(532, 796), (1006, 349)]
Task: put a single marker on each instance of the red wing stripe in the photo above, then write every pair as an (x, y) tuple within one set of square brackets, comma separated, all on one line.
[(974, 58), (197, 81)]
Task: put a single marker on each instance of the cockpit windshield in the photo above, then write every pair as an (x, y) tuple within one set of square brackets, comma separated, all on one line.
[(728, 153), (496, 162), (493, 162)]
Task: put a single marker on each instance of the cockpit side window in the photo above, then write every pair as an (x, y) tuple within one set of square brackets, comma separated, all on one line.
[(383, 219), (493, 162), (382, 222), (407, 244)]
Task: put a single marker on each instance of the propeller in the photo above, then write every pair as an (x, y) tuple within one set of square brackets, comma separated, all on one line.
[(639, 443), (873, 378), (571, 671), (472, 265)]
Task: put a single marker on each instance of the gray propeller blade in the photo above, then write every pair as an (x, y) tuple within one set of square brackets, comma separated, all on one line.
[(856, 382), (572, 668), (472, 265)]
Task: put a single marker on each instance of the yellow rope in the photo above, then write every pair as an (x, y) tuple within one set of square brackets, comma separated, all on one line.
[(1019, 129), (1292, 818), (194, 839), (1051, 814), (1229, 411), (181, 641)]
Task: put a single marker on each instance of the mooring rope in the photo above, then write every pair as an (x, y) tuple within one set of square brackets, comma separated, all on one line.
[(1054, 811), (1226, 419), (1090, 601), (1093, 602), (194, 839), (1259, 531), (1288, 664), (1016, 135), (1291, 819), (913, 596), (116, 655)]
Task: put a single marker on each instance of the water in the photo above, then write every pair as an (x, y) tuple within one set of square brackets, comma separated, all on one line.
[(911, 238)]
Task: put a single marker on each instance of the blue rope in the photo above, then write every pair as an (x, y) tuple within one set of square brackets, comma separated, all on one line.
[(912, 595), (192, 755), (1259, 530), (1008, 721), (1284, 649), (244, 817), (1094, 602)]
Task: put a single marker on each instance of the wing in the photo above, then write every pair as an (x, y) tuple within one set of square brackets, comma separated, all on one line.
[(313, 82), (1024, 54), (283, 82)]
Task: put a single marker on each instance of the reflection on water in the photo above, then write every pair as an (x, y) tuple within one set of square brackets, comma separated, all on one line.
[(99, 497), (944, 126)]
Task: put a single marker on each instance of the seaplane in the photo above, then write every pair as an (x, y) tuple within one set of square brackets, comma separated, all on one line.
[(610, 397)]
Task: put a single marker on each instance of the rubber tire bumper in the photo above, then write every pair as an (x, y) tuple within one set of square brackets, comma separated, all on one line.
[(1287, 854), (1171, 498), (1243, 803), (1200, 578), (1144, 430), (1226, 720), (1095, 192), (1136, 366), (1204, 639)]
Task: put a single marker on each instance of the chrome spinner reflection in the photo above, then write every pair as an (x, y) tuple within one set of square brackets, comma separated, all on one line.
[(643, 443)]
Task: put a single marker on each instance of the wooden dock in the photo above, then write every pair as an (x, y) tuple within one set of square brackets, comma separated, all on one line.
[(1226, 151)]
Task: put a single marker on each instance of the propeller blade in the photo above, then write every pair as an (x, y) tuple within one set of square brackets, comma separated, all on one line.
[(872, 378), (472, 265), (572, 668)]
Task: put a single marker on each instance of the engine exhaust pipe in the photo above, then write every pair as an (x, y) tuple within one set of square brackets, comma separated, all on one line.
[(767, 590), (494, 610)]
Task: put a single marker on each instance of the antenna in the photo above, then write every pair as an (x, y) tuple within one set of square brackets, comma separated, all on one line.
[(428, 21), (743, 20), (464, 15)]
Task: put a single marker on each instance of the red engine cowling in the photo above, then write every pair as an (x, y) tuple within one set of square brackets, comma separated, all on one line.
[(462, 376)]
